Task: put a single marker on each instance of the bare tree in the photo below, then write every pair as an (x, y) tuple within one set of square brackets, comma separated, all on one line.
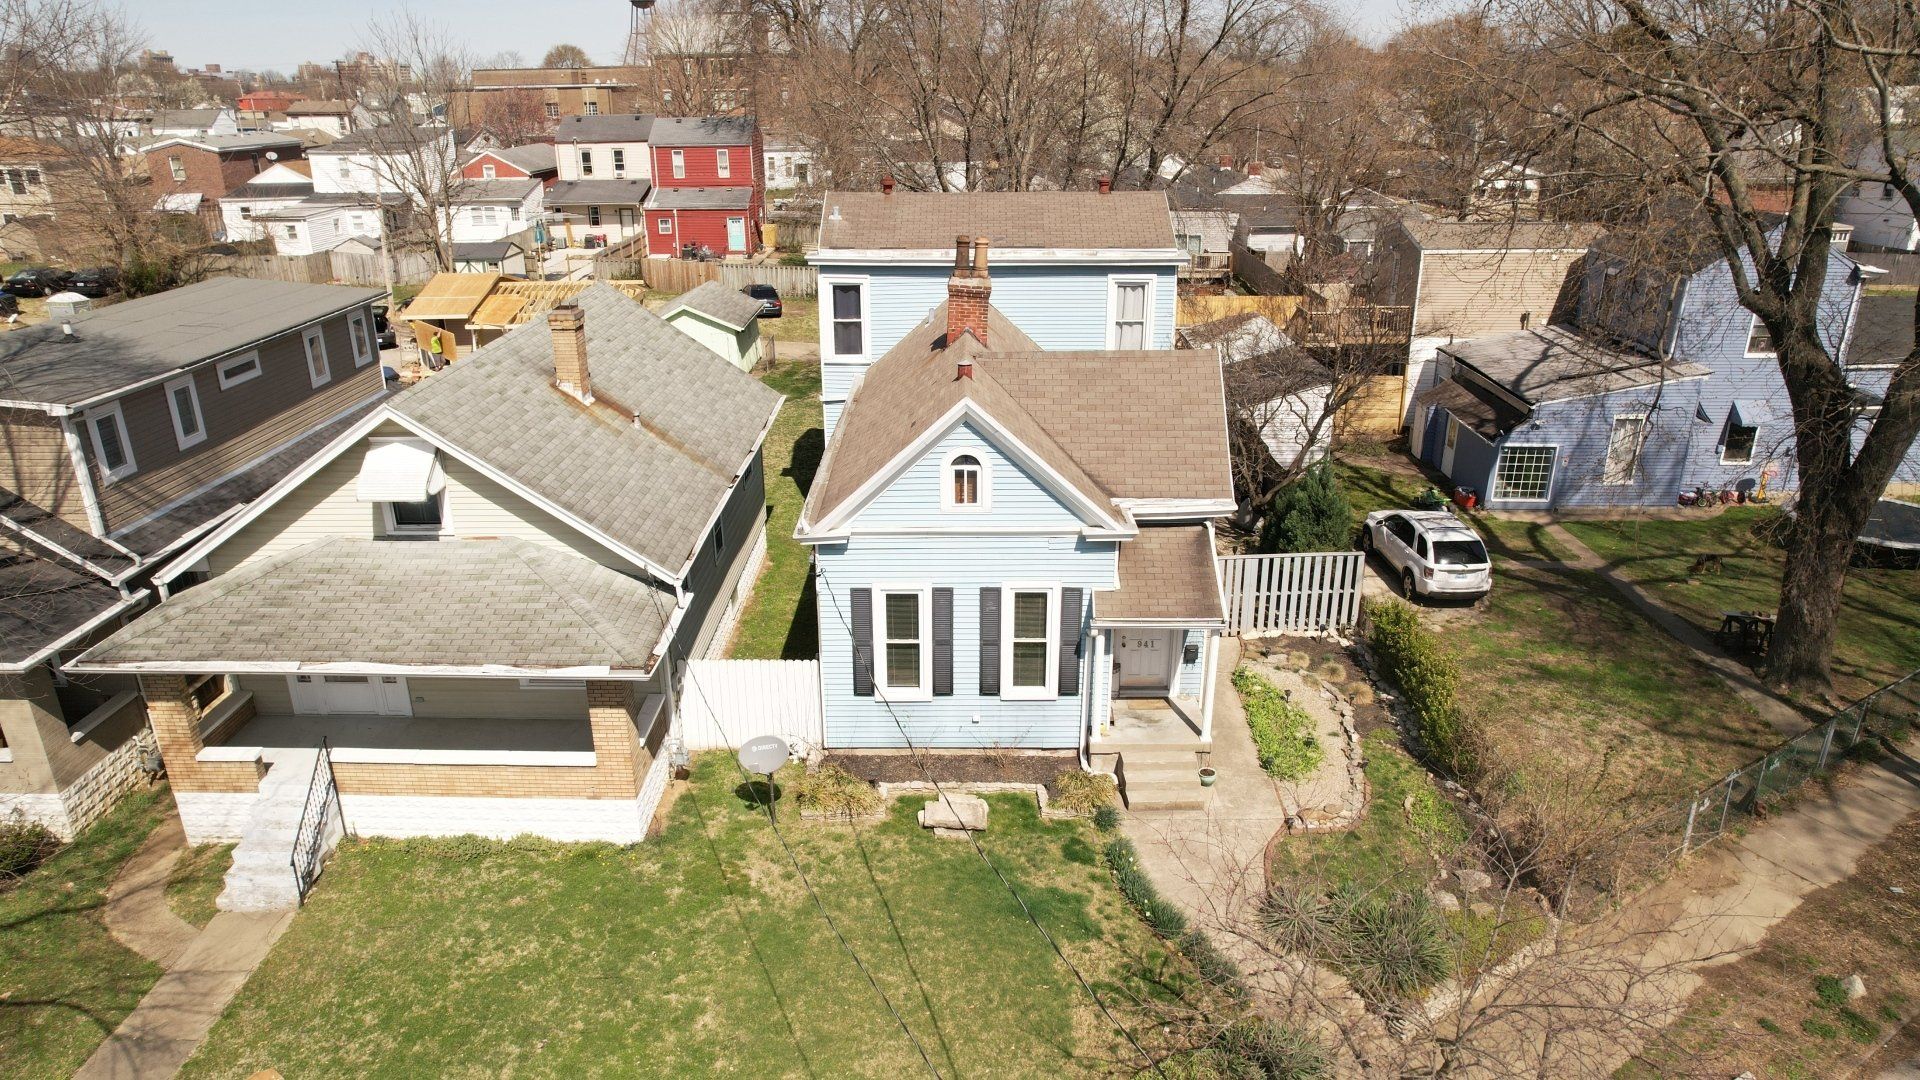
[(566, 56), (414, 156)]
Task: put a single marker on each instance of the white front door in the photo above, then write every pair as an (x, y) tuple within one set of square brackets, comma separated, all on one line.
[(1144, 660), (367, 695)]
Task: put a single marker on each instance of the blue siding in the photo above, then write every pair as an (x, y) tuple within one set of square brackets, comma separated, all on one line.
[(1015, 498), (1874, 380), (1187, 682), (965, 563)]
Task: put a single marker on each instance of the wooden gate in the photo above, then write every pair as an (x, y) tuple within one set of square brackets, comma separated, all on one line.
[(1292, 594)]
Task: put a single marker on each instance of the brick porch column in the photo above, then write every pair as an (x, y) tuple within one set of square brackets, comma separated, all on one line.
[(175, 718), (618, 757)]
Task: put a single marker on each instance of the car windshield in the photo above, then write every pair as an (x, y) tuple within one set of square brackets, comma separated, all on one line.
[(1459, 553)]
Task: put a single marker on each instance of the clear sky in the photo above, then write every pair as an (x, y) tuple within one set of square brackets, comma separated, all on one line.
[(268, 35)]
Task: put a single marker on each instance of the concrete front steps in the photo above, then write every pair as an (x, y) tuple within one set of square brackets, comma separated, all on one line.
[(262, 878), (1162, 779)]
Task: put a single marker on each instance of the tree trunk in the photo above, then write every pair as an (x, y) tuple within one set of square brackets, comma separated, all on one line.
[(1819, 546)]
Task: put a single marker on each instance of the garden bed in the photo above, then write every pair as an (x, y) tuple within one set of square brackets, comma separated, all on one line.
[(1037, 767)]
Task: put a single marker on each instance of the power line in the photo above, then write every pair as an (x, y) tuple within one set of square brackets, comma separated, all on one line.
[(774, 824), (914, 751)]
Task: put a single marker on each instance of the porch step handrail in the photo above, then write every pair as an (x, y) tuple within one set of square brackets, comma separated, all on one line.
[(317, 816)]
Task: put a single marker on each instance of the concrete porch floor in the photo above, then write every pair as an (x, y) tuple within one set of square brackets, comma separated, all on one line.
[(1171, 723), (413, 733)]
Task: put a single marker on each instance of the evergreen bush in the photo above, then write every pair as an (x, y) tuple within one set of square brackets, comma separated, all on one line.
[(1426, 673), (1309, 514)]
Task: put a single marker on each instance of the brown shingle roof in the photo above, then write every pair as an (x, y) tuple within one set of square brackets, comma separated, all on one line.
[(920, 221), (1166, 575), (1148, 424), (1433, 235)]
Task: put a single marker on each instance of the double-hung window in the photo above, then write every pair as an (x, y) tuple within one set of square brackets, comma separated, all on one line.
[(847, 309), (966, 483), (111, 447), (316, 348), (905, 652), (679, 164), (1623, 448), (723, 163), (553, 110), (362, 340), (586, 162), (593, 108), (1030, 627), (1736, 444), (488, 172), (619, 162), (593, 217), (183, 401), (178, 168), (1759, 339), (1129, 312)]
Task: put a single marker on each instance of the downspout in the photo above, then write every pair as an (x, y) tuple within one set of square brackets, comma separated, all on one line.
[(96, 521)]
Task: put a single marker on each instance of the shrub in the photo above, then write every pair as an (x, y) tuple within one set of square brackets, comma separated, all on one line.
[(1388, 944), (1283, 733), (1309, 514), (1166, 919), (1830, 991), (1106, 818), (1276, 1051), (1819, 1028), (834, 791), (1426, 673), (1301, 919), (1077, 791), (1859, 1028), (1216, 967), (24, 845)]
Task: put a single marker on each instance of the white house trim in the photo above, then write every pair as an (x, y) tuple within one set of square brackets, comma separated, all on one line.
[(357, 667), (825, 291), (92, 418), (1050, 691), (923, 690), (1001, 256), (181, 436), (1147, 327), (126, 604)]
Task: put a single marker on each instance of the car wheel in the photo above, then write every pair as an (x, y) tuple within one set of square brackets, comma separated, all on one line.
[(1406, 584), (1366, 539)]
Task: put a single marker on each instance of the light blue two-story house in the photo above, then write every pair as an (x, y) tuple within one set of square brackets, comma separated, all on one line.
[(1654, 380), (1012, 547), (1073, 269)]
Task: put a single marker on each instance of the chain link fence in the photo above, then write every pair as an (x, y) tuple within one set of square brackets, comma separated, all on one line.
[(1760, 785)]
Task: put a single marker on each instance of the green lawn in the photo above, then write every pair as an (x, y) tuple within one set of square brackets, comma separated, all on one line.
[(699, 953), (779, 622), (1390, 842), (1371, 488), (197, 880), (1879, 632), (65, 984), (799, 321)]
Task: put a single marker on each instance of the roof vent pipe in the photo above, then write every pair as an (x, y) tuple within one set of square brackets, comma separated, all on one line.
[(966, 369), (1106, 185)]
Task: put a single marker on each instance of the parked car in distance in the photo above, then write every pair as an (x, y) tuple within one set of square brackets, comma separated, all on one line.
[(95, 281), (1435, 553), (769, 298), (37, 281), (383, 331)]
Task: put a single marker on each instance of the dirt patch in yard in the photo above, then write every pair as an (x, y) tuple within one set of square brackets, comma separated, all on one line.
[(1330, 662), (989, 768)]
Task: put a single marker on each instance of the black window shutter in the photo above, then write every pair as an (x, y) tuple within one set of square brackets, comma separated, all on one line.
[(1069, 642), (862, 642), (943, 642), (989, 642)]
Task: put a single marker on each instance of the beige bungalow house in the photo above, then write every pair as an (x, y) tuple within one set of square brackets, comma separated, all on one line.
[(724, 320), (468, 613)]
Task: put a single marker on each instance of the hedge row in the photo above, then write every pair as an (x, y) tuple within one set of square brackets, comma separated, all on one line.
[(1426, 673), (1283, 733), (1168, 921)]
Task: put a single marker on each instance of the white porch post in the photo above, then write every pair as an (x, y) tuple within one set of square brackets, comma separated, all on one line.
[(1207, 674), (1100, 680)]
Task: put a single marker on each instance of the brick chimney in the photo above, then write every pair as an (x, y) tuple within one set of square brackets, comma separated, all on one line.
[(886, 184), (1106, 185), (568, 324), (1255, 168), (968, 290)]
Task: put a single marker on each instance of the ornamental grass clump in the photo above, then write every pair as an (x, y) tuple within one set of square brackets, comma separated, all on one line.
[(1079, 792), (835, 792), (1283, 733)]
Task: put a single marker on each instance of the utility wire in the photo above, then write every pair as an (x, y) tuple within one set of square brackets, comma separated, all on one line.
[(773, 822), (913, 750)]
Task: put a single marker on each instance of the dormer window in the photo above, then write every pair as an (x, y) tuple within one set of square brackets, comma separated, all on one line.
[(966, 483)]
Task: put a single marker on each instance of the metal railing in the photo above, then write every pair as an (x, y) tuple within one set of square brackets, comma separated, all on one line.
[(1749, 790), (317, 817)]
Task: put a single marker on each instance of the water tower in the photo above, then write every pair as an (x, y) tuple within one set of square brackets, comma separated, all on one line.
[(639, 28)]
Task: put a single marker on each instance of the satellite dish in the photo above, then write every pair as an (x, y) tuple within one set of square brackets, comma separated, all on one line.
[(273, 155), (764, 754)]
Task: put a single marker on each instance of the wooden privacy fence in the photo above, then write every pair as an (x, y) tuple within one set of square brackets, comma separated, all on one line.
[(723, 703), (327, 267), (1292, 594), (680, 275)]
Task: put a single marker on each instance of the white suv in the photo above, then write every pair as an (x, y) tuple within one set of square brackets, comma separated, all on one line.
[(1435, 552)]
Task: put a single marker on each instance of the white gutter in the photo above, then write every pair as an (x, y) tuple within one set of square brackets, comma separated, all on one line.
[(124, 605), (96, 521), (355, 667)]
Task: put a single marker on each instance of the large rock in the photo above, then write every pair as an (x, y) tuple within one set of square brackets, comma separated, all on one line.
[(1474, 880), (967, 812), (1856, 987)]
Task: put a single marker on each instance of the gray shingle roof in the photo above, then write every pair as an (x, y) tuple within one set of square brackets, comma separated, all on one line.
[(483, 191), (605, 127), (1553, 363), (922, 221), (533, 157), (270, 191), (730, 306), (652, 484), (339, 600), (131, 343), (388, 138), (598, 193), (231, 144), (46, 601), (703, 198), (484, 250), (701, 131)]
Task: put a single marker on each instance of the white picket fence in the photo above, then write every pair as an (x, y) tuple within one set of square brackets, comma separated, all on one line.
[(1291, 594), (723, 703)]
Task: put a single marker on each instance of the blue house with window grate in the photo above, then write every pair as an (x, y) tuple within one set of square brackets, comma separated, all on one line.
[(1656, 381), (1074, 269), (1012, 547)]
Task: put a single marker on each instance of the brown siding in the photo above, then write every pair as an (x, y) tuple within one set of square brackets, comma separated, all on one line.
[(45, 757), (1486, 292), (36, 466), (242, 423)]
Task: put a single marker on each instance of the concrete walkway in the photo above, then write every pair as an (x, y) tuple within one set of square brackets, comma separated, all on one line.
[(167, 1026), (137, 914), (1787, 719)]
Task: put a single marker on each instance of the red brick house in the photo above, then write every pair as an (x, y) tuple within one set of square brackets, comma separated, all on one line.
[(533, 161), (191, 174), (708, 188)]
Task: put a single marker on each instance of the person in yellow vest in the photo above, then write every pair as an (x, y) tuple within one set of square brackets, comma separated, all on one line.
[(435, 354)]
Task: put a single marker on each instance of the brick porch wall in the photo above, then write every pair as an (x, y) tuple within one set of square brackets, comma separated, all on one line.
[(175, 719)]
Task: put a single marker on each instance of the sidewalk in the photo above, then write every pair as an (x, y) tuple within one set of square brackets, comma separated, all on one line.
[(167, 1026), (137, 914)]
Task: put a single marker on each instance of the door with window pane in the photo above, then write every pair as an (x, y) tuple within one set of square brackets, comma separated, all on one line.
[(1130, 315), (1623, 449)]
